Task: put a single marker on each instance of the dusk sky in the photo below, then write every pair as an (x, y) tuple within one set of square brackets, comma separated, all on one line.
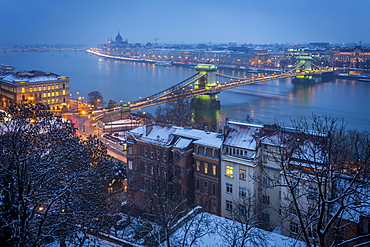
[(91, 22)]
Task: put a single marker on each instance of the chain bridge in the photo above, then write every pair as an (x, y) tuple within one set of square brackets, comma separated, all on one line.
[(207, 83)]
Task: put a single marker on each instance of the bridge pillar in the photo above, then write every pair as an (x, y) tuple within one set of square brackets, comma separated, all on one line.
[(305, 61), (207, 81)]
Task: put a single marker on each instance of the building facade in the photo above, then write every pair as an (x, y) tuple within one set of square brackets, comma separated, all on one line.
[(35, 86), (159, 155)]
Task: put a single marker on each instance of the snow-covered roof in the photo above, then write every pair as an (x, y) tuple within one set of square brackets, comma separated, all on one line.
[(182, 143), (241, 135), (33, 76), (216, 231), (163, 135)]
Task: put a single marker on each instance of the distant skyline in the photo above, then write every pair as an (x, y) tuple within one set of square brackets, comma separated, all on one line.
[(188, 21)]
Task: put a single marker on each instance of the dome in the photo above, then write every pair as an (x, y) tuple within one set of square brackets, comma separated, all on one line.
[(118, 38)]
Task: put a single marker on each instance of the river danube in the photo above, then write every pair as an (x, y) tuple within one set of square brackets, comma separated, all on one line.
[(266, 102)]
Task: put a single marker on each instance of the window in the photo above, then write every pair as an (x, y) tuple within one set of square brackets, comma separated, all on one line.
[(145, 152), (44, 95), (312, 193), (39, 88), (205, 151), (48, 94), (242, 192), (30, 89), (23, 90), (152, 170), (48, 87), (205, 168), (205, 186), (229, 188), (311, 232), (227, 150), (164, 157), (130, 165), (229, 171), (198, 165), (64, 92), (158, 155), (242, 210), (229, 205), (44, 88), (242, 174), (198, 184), (57, 86), (57, 93), (214, 169), (296, 190), (52, 87), (265, 181), (265, 217), (52, 94), (151, 154), (265, 199), (214, 153), (213, 189), (293, 227)]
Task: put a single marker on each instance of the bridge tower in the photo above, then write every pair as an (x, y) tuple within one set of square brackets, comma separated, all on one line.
[(304, 63), (207, 81)]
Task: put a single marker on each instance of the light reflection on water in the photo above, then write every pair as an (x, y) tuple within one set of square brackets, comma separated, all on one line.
[(264, 102)]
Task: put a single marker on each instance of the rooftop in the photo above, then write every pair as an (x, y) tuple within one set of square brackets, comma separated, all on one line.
[(32, 76)]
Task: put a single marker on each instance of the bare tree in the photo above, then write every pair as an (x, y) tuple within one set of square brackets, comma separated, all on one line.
[(95, 98), (52, 183), (323, 178), (246, 221), (177, 112)]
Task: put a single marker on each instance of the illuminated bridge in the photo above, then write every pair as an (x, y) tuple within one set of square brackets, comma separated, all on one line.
[(205, 85), (206, 82)]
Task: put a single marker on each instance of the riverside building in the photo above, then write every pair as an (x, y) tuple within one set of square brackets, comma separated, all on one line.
[(35, 86)]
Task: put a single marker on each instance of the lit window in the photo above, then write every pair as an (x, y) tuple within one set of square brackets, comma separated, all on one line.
[(57, 93), (230, 171), (39, 88), (48, 94), (44, 88), (198, 165), (44, 95), (52, 94), (30, 89), (214, 170), (52, 87), (48, 87), (229, 188), (205, 168), (64, 92), (57, 86), (57, 100), (242, 174), (23, 90)]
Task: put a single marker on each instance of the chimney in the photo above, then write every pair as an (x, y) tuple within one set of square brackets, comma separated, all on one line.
[(149, 126)]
